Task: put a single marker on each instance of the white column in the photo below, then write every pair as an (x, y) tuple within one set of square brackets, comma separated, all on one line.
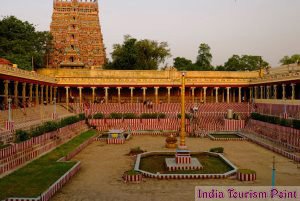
[(256, 92), (268, 92), (217, 95), (144, 93), (67, 97), (131, 94), (275, 91), (156, 94), (169, 94), (283, 92), (228, 94), (193, 94), (93, 94), (240, 94), (204, 94), (293, 91), (106, 94), (80, 95), (119, 94)]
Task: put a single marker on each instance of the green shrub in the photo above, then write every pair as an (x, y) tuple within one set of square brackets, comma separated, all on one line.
[(115, 116), (50, 126), (81, 116), (22, 135), (153, 115), (273, 120), (98, 116), (217, 150), (187, 116), (129, 116), (296, 124), (162, 115)]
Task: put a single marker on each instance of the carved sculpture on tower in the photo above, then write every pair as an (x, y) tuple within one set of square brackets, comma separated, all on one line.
[(77, 37)]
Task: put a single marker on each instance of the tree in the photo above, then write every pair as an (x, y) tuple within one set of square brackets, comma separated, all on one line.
[(245, 63), (136, 54), (204, 57), (290, 60), (20, 42), (181, 63)]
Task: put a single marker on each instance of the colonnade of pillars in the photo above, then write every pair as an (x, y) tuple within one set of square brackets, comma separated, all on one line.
[(271, 91), (229, 93), (33, 93)]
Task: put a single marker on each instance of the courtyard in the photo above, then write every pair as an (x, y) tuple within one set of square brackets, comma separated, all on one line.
[(103, 166)]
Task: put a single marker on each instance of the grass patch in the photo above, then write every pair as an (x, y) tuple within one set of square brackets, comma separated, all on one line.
[(37, 176), (225, 136), (211, 164)]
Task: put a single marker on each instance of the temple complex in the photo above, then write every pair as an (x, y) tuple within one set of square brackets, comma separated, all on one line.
[(77, 36), (72, 103)]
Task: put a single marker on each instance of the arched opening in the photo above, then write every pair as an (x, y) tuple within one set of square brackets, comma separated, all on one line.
[(72, 59)]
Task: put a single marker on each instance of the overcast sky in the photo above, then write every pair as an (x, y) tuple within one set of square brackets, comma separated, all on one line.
[(270, 28)]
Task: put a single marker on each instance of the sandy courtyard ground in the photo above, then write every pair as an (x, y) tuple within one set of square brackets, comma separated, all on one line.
[(103, 166)]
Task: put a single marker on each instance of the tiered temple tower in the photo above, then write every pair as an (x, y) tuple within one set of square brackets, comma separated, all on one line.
[(77, 36)]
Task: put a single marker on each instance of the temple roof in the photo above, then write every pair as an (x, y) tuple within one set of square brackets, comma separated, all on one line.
[(5, 61)]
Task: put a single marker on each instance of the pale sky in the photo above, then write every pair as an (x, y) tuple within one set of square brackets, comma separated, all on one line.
[(270, 28)]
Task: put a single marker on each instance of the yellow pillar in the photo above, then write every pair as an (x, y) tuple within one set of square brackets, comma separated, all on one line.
[(80, 95), (169, 94), (156, 94), (16, 83), (93, 94), (217, 95), (144, 93), (251, 94), (42, 94), (228, 94), (106, 94), (6, 82), (37, 94), (182, 131), (193, 94), (24, 94), (293, 91), (283, 92), (131, 94)]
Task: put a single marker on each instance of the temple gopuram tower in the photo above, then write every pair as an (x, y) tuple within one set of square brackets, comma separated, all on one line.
[(77, 37)]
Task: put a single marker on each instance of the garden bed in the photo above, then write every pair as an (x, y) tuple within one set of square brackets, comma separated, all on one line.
[(39, 175)]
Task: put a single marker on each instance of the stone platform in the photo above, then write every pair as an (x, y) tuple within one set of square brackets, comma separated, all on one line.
[(173, 166)]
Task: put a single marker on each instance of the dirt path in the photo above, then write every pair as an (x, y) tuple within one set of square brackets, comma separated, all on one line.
[(103, 166)]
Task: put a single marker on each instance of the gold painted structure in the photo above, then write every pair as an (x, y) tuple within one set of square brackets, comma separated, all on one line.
[(182, 144)]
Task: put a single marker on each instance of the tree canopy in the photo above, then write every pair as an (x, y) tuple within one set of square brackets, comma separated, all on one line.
[(203, 61), (290, 60), (204, 57), (244, 63), (136, 54), (20, 42)]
